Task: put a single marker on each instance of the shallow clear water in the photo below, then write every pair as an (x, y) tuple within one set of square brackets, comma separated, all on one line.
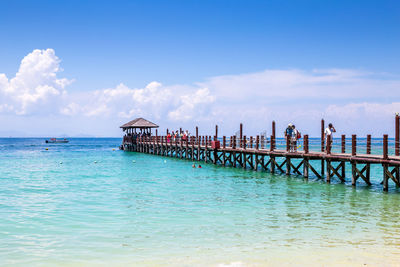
[(84, 204)]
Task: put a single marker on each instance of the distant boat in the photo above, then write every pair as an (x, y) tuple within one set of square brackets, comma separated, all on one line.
[(55, 140)]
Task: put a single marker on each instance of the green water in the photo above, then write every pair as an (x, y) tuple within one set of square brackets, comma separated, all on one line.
[(85, 204)]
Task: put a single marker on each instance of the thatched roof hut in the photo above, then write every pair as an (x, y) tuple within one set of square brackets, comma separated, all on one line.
[(139, 123)]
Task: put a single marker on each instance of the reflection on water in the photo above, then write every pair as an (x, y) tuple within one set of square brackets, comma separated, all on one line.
[(83, 203)]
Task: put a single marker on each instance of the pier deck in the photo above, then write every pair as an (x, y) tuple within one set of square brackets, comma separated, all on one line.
[(259, 154)]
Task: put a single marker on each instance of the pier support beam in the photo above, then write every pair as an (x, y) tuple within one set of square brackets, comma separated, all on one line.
[(273, 136), (241, 135), (397, 135), (272, 166), (322, 146), (328, 171), (353, 174), (305, 168), (385, 177), (288, 165)]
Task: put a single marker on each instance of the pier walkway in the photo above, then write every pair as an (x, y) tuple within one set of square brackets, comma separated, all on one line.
[(262, 154)]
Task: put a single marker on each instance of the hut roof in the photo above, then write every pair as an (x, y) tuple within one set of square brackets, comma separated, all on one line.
[(139, 123)]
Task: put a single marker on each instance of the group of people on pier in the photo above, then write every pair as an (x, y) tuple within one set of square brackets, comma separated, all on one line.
[(292, 135), (178, 135), (132, 137)]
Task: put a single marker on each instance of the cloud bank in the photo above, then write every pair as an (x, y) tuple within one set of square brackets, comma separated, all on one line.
[(34, 85), (301, 96)]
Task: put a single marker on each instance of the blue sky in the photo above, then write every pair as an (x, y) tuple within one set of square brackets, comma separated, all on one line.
[(188, 46)]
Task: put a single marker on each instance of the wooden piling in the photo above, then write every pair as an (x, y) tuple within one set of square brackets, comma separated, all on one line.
[(273, 129), (385, 146), (328, 146), (306, 144), (223, 151), (262, 141), (272, 164), (187, 147), (368, 144), (241, 135), (385, 177), (177, 147), (271, 143), (343, 163), (206, 150), (257, 142), (353, 173), (243, 155), (343, 143), (287, 143), (385, 165), (193, 143), (353, 163), (216, 133), (397, 135), (288, 161), (288, 149), (343, 168), (322, 135), (198, 145), (305, 160), (328, 163), (322, 146)]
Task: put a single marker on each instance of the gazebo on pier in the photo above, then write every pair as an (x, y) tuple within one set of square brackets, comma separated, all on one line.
[(135, 128)]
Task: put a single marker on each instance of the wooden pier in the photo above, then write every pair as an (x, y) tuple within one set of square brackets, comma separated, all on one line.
[(261, 154)]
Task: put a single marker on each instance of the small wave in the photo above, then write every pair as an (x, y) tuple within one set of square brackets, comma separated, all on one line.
[(232, 264)]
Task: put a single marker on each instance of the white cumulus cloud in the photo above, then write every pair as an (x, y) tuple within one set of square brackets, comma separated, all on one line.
[(155, 101), (35, 84), (196, 104), (342, 96)]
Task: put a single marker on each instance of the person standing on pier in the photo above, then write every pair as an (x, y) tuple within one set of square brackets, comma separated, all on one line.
[(329, 132), (173, 135), (295, 136), (168, 138), (289, 135)]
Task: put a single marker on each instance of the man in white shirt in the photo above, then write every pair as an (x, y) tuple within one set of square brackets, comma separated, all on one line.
[(329, 131)]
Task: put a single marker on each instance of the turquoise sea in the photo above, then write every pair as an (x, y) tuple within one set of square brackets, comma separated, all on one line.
[(86, 203)]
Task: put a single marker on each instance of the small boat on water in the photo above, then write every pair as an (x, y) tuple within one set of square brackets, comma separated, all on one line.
[(55, 140)]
